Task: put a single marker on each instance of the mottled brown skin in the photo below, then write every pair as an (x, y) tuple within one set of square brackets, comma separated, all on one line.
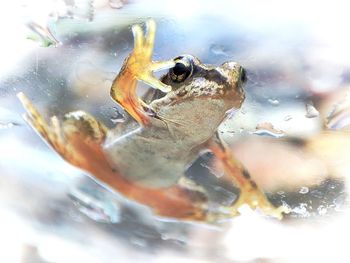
[(147, 163), (183, 121)]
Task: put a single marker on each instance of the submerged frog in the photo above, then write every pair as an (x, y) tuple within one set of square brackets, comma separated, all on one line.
[(145, 158)]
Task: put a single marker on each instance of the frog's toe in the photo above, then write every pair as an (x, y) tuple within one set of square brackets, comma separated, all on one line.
[(160, 65), (151, 33), (279, 212), (144, 43), (256, 200), (138, 37), (155, 83)]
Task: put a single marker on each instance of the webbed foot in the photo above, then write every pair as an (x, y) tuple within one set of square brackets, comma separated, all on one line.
[(250, 194), (256, 200), (139, 66)]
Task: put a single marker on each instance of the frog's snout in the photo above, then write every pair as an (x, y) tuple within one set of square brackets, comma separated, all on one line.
[(235, 70)]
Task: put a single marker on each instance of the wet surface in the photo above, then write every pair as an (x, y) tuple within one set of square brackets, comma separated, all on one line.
[(298, 78)]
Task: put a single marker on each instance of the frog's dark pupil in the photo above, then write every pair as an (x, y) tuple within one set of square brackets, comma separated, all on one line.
[(180, 69)]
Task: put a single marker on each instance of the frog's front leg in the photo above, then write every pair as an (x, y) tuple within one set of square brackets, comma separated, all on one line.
[(250, 194), (78, 140), (139, 66)]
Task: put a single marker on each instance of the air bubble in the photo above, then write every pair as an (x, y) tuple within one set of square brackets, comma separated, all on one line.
[(117, 120), (218, 50), (304, 190), (301, 210), (311, 111), (267, 129), (287, 118), (274, 102), (322, 210)]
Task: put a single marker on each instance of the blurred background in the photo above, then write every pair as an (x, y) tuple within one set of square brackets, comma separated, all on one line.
[(292, 132)]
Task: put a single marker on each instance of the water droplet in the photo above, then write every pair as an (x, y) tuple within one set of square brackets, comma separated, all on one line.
[(287, 118), (274, 102), (267, 129), (218, 49), (117, 120), (311, 111), (99, 211), (138, 241), (317, 193), (8, 125), (117, 4), (339, 203), (301, 210), (281, 194), (304, 190), (243, 110), (322, 210)]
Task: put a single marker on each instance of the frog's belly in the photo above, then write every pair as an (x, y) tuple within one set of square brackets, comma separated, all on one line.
[(147, 161)]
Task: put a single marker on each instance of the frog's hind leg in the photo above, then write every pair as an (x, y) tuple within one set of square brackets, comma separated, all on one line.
[(79, 141), (250, 194), (51, 133), (55, 133), (84, 124)]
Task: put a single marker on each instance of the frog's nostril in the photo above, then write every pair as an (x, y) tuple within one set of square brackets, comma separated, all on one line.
[(243, 75), (230, 65)]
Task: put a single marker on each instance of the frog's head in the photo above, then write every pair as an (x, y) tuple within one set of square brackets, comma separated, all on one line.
[(201, 95)]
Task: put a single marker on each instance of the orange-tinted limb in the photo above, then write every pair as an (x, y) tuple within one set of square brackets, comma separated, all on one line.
[(78, 140), (139, 66), (250, 194), (174, 202)]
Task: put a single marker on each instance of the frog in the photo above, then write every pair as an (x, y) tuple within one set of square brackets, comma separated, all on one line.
[(144, 158)]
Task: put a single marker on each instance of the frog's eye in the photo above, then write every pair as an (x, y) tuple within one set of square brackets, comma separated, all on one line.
[(243, 75), (182, 70)]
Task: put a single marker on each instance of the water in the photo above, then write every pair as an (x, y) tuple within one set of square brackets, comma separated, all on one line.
[(291, 58)]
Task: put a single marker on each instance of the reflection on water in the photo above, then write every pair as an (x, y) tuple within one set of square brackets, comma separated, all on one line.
[(291, 133)]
